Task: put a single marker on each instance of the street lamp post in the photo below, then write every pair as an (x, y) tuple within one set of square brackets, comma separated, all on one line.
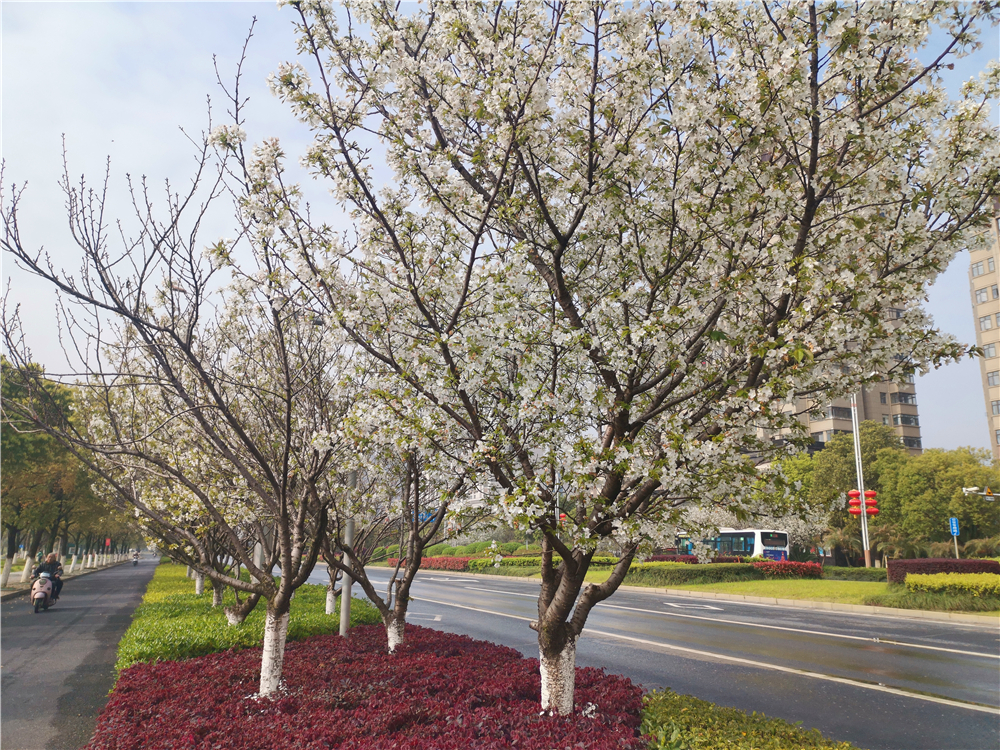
[(345, 587), (861, 478)]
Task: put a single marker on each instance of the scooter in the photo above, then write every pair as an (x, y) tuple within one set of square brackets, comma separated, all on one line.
[(41, 592), (135, 560)]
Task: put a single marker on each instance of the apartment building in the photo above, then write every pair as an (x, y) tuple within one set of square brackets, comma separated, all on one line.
[(892, 404), (984, 288)]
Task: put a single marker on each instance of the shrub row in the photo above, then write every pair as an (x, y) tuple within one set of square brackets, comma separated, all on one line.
[(682, 722), (833, 573), (776, 569), (693, 560), (670, 574), (484, 563), (439, 690), (976, 584), (900, 598), (175, 623), (438, 563), (899, 569)]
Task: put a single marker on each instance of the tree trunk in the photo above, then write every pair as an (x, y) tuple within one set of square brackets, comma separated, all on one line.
[(217, 591), (273, 657), (238, 612), (9, 559), (72, 565), (331, 591), (558, 670), (199, 583), (394, 631), (190, 573), (29, 560)]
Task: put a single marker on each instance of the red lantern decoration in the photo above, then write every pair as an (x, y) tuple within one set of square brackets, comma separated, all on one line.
[(871, 511), (854, 511), (854, 494), (854, 502), (870, 498)]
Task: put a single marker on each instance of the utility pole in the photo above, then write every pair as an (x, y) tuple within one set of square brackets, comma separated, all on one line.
[(345, 587), (861, 478)]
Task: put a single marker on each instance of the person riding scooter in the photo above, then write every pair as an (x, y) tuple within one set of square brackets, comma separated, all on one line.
[(135, 557), (54, 568), (41, 591)]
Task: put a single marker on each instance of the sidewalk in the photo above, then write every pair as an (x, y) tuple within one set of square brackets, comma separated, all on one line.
[(14, 589)]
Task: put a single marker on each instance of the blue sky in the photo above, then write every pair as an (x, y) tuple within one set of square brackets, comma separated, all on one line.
[(121, 79)]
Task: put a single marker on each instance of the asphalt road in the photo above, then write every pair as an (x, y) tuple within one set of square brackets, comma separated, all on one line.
[(879, 682), (57, 666)]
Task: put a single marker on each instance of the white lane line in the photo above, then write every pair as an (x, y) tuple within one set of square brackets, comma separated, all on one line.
[(825, 633), (749, 662)]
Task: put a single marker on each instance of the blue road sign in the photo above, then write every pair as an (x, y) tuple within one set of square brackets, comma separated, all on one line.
[(953, 525)]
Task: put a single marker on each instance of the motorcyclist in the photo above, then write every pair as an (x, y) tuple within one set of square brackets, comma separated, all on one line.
[(135, 557), (54, 568)]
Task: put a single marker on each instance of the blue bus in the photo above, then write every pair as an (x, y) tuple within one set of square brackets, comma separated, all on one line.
[(769, 544)]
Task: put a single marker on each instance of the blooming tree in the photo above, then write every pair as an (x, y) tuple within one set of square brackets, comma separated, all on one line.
[(204, 383), (621, 241)]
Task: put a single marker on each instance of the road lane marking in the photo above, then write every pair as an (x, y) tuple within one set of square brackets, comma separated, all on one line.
[(828, 634), (690, 606), (749, 662)]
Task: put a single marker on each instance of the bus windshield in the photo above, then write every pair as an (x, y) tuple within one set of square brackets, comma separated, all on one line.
[(773, 539)]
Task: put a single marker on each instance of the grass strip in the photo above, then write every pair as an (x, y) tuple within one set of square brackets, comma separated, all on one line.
[(683, 722), (898, 597), (174, 623)]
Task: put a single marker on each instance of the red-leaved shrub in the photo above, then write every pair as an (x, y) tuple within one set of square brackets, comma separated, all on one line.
[(775, 569), (898, 569), (441, 691), (438, 563)]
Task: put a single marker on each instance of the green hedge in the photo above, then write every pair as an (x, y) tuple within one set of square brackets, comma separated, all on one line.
[(833, 573), (900, 598), (976, 584), (675, 574), (682, 722), (174, 623)]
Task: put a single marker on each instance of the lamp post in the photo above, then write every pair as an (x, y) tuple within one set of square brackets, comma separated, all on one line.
[(345, 587), (861, 481)]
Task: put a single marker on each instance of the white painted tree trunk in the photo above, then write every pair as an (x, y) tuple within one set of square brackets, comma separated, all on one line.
[(331, 600), (199, 583), (72, 565), (394, 634), (559, 680), (189, 571), (7, 565), (29, 563), (275, 632), (217, 595)]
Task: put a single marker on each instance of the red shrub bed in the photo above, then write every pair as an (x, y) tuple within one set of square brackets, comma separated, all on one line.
[(775, 569), (441, 691), (438, 563), (898, 569)]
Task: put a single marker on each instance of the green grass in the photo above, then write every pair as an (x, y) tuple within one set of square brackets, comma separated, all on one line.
[(174, 623), (682, 722), (901, 598)]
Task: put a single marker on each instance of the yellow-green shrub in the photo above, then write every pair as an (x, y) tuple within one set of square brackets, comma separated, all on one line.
[(977, 584)]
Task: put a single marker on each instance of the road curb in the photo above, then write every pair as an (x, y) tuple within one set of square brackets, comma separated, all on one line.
[(21, 592), (982, 621)]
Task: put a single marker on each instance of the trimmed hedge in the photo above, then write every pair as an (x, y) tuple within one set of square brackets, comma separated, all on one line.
[(438, 563), (683, 722), (689, 559), (900, 598), (899, 569), (777, 569), (833, 573), (675, 574), (977, 584)]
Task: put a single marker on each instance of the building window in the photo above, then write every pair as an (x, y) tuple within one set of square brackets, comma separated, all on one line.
[(893, 313), (996, 291), (982, 295), (885, 419), (977, 269), (993, 378), (986, 323), (912, 442), (881, 398), (990, 265), (998, 320), (995, 405), (905, 420), (908, 379), (990, 350), (904, 398), (997, 434)]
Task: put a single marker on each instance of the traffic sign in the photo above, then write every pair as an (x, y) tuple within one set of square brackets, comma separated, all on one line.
[(953, 525), (988, 492)]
